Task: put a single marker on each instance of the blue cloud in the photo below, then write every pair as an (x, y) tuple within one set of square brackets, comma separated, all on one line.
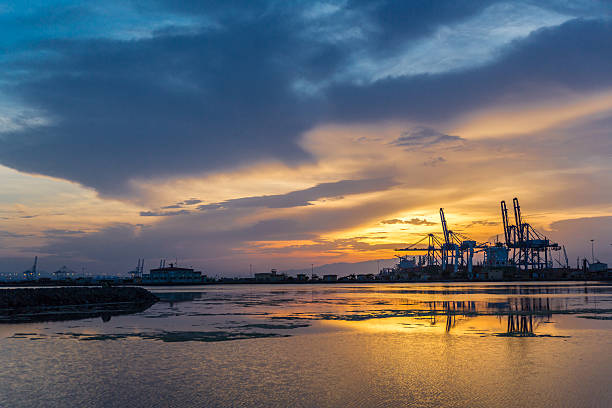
[(300, 198), (212, 85)]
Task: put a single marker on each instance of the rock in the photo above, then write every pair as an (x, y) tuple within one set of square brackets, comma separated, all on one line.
[(71, 302)]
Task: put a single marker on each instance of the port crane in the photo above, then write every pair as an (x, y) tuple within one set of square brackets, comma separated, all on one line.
[(31, 274), (524, 248), (448, 246), (459, 249), (558, 260), (452, 249), (530, 249), (433, 249), (138, 271)]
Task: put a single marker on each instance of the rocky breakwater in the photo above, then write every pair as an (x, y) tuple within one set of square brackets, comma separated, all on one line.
[(67, 303)]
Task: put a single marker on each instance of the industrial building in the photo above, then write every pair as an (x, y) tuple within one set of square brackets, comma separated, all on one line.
[(172, 274), (272, 276)]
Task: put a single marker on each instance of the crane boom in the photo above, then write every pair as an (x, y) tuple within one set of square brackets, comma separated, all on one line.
[(504, 211), (444, 226), (517, 218)]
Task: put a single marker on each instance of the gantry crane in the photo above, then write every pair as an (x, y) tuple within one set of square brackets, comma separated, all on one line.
[(529, 248), (433, 249), (459, 249), (454, 249)]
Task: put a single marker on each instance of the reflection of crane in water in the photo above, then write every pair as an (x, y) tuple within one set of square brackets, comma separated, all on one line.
[(522, 313), (450, 315), (452, 309)]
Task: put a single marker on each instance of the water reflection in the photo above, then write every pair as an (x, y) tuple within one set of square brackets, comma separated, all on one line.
[(484, 309), (517, 310), (521, 314), (391, 345), (178, 297)]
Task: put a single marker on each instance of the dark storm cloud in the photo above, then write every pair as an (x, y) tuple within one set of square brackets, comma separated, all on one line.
[(167, 105), (232, 92), (305, 197), (398, 20), (575, 55)]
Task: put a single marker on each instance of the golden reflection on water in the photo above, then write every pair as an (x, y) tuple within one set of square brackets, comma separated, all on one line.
[(396, 345), (518, 317)]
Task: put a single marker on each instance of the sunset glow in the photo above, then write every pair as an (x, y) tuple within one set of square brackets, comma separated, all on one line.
[(304, 156)]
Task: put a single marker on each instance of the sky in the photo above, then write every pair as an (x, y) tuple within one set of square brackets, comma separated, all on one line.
[(281, 134)]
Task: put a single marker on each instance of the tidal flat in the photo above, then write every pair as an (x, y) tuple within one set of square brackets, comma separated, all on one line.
[(367, 345)]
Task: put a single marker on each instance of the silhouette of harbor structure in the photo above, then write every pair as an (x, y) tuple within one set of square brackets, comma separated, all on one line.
[(524, 254)]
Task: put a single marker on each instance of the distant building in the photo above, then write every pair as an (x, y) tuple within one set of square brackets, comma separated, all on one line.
[(365, 277), (64, 273), (494, 274), (172, 274), (598, 267), (302, 277), (330, 278), (272, 276), (496, 256), (406, 263), (387, 273), (406, 269)]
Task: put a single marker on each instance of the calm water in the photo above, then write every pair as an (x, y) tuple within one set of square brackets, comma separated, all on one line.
[(370, 345)]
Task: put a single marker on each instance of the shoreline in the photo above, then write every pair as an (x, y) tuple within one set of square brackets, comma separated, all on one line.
[(242, 282)]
